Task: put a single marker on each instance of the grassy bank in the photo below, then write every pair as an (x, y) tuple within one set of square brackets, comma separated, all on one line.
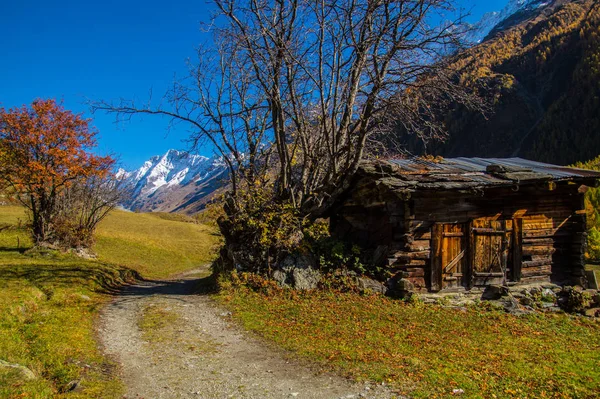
[(49, 301), (430, 351), (155, 245)]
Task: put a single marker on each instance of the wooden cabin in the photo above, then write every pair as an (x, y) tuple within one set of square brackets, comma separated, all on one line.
[(455, 224)]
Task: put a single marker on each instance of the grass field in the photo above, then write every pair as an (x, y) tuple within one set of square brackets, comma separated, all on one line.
[(155, 245), (49, 301), (429, 351)]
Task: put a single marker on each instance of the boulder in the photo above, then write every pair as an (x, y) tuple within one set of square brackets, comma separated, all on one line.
[(493, 292), (23, 371), (367, 284), (510, 304), (305, 279), (399, 287), (282, 278), (298, 272)]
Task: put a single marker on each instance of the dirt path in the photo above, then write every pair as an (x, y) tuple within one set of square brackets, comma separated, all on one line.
[(196, 352)]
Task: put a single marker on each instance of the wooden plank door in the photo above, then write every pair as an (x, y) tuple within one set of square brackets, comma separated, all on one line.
[(492, 245), (449, 257)]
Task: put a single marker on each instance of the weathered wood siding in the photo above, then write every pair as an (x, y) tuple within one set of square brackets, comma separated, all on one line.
[(538, 229)]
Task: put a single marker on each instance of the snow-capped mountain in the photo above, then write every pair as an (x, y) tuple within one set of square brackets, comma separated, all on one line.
[(494, 21), (175, 181)]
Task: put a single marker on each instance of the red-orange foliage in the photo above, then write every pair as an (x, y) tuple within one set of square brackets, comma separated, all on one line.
[(43, 150)]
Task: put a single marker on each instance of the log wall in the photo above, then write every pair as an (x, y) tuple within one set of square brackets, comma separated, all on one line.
[(547, 228)]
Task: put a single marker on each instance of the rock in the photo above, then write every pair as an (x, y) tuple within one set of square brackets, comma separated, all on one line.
[(72, 386), (367, 284), (493, 292), (84, 297), (404, 285), (593, 312), (281, 278), (527, 301), (306, 279), (548, 293), (535, 290), (458, 391), (297, 271), (550, 286), (85, 253), (25, 373), (510, 304)]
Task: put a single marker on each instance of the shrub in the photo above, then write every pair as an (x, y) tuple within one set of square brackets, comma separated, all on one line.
[(258, 230), (574, 301)]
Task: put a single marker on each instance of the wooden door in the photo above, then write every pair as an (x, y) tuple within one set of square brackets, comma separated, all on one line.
[(492, 244), (449, 257)]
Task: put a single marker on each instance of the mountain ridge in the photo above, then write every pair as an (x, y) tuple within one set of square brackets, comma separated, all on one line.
[(176, 181), (542, 80)]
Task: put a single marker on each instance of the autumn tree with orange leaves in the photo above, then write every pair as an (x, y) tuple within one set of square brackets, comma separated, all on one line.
[(44, 155)]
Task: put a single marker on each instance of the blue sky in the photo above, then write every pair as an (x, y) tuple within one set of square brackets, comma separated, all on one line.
[(74, 50)]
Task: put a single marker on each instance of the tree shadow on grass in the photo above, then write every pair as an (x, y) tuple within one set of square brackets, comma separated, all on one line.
[(14, 249), (195, 286), (101, 278), (114, 280)]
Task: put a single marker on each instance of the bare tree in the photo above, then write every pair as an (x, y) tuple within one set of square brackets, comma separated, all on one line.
[(310, 82), (83, 205), (295, 92)]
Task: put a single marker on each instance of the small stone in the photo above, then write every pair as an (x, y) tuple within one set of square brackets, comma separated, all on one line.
[(593, 312), (72, 386), (510, 304), (225, 314), (457, 391), (294, 394)]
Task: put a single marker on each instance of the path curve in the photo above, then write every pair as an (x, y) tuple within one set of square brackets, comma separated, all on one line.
[(204, 354)]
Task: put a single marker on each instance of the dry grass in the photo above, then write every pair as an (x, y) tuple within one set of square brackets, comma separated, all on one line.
[(429, 351)]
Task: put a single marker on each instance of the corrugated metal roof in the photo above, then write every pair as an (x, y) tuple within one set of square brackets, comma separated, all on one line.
[(454, 172)]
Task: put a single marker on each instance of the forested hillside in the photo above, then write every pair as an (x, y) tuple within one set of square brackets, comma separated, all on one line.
[(542, 76)]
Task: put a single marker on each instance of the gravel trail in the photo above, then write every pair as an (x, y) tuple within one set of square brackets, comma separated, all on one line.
[(200, 353)]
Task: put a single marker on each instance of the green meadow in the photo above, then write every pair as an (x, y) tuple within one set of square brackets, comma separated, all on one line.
[(49, 301)]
